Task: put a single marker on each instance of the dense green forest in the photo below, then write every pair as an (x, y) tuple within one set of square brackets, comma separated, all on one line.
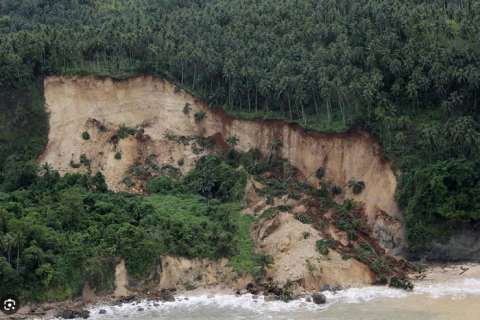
[(408, 71)]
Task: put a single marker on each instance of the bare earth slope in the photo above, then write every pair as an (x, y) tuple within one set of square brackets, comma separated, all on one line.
[(79, 103)]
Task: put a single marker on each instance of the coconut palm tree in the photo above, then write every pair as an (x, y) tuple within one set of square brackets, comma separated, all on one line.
[(232, 141), (19, 241), (357, 186), (7, 243), (336, 190)]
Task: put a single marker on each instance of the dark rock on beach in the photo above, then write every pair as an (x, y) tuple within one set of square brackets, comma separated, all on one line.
[(73, 314), (169, 298), (319, 298)]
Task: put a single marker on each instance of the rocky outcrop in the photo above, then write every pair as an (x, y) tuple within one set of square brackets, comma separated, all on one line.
[(463, 246), (319, 298)]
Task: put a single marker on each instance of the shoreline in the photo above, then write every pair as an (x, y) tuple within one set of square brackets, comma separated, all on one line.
[(446, 272), (436, 273)]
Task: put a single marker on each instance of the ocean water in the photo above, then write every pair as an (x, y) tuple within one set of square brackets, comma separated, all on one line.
[(458, 300)]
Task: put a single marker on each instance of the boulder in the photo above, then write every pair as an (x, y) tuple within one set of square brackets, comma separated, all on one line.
[(102, 311), (325, 288), (319, 298), (169, 298), (140, 309), (84, 314), (308, 300), (277, 291), (73, 314)]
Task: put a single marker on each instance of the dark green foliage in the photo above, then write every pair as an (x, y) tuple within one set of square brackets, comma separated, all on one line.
[(323, 246), (303, 218), (189, 286), (232, 141), (102, 128), (163, 185), (74, 230), (306, 235), (267, 213), (84, 160), (118, 155), (445, 195), (186, 108), (320, 225), (367, 255), (320, 173), (128, 182), (199, 116), (357, 186), (336, 190), (349, 204), (181, 161), (86, 135), (17, 173), (401, 284), (75, 165), (214, 178), (346, 256), (23, 130), (352, 234), (263, 262), (124, 131), (371, 63)]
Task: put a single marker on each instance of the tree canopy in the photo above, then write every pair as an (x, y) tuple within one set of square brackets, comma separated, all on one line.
[(406, 70)]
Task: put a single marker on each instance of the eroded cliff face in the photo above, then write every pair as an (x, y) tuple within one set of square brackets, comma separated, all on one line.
[(80, 103)]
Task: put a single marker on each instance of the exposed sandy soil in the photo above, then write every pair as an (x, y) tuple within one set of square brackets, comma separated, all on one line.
[(121, 280), (447, 272), (282, 237), (156, 107), (200, 272), (81, 103)]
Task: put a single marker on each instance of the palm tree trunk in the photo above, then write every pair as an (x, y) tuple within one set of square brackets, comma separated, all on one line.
[(256, 97), (289, 106)]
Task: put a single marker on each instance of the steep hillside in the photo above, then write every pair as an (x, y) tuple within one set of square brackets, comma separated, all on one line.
[(81, 104)]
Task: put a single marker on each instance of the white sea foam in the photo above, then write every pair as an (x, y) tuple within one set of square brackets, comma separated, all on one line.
[(457, 290), (244, 307)]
